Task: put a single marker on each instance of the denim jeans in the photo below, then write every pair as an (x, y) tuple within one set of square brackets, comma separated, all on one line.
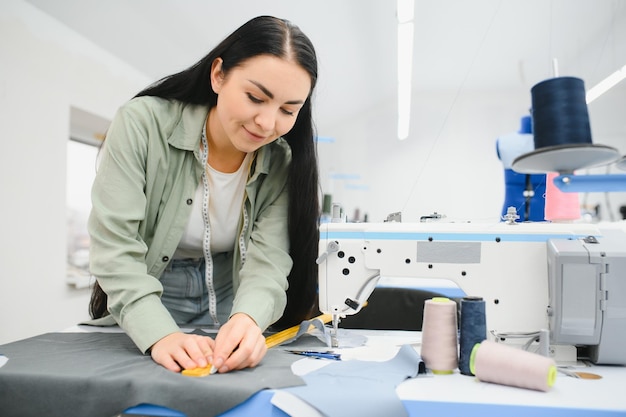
[(185, 291)]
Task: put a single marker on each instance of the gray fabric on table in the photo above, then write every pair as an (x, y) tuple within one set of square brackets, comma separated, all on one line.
[(101, 374)]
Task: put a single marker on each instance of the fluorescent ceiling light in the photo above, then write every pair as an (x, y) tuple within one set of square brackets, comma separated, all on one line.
[(405, 10), (404, 111), (405, 52), (606, 84)]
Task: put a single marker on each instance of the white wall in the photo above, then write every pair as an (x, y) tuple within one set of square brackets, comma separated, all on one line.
[(45, 68), (448, 164)]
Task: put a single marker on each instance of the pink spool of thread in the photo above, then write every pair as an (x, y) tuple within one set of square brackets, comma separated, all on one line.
[(560, 206), (439, 335), (506, 365)]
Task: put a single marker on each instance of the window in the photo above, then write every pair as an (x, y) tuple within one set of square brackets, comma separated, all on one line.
[(86, 134)]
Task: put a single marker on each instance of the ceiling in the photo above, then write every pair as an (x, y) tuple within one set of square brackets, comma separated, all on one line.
[(459, 44)]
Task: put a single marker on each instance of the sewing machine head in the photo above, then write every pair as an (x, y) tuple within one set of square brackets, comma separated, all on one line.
[(533, 276)]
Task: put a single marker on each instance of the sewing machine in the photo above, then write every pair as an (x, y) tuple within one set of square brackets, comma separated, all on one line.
[(567, 278)]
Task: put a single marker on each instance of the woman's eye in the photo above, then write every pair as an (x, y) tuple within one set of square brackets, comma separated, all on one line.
[(257, 100), (254, 99)]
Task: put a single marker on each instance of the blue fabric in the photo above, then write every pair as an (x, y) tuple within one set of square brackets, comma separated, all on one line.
[(338, 389)]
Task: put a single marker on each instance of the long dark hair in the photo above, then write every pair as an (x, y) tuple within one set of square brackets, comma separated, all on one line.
[(280, 38)]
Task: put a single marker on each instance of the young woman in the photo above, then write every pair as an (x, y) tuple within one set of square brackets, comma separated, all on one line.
[(205, 204)]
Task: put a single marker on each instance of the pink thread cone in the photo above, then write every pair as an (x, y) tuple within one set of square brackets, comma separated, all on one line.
[(439, 335), (560, 206), (506, 365)]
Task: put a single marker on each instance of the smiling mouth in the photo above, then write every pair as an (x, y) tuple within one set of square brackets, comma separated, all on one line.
[(255, 136)]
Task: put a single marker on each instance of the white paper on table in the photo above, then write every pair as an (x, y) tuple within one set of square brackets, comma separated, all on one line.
[(293, 405)]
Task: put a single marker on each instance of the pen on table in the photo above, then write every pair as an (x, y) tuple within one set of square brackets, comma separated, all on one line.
[(317, 355)]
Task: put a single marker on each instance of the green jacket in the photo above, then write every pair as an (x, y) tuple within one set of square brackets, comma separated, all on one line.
[(149, 170)]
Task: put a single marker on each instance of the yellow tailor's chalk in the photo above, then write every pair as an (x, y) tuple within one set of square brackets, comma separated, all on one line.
[(207, 370)]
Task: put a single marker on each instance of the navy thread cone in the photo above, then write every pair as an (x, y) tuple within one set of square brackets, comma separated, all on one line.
[(473, 330), (559, 113)]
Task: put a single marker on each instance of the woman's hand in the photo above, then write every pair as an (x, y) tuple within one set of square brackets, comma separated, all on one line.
[(178, 351), (239, 344)]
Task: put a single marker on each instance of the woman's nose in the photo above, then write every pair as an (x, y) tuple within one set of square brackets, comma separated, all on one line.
[(266, 119)]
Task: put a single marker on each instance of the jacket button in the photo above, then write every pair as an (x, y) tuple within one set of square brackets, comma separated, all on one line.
[(189, 201), (165, 258)]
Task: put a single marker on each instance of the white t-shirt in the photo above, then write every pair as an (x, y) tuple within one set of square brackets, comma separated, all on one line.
[(226, 192)]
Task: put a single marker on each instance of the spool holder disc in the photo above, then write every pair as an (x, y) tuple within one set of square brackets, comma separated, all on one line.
[(564, 159)]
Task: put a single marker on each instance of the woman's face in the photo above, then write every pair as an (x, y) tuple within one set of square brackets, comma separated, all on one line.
[(258, 101)]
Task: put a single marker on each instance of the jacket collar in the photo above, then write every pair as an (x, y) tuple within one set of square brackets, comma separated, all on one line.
[(187, 135)]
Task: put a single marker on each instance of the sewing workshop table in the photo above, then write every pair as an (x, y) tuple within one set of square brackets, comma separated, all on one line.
[(440, 395), (459, 395)]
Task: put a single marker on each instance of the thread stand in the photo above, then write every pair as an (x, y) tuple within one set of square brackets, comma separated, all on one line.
[(562, 139)]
